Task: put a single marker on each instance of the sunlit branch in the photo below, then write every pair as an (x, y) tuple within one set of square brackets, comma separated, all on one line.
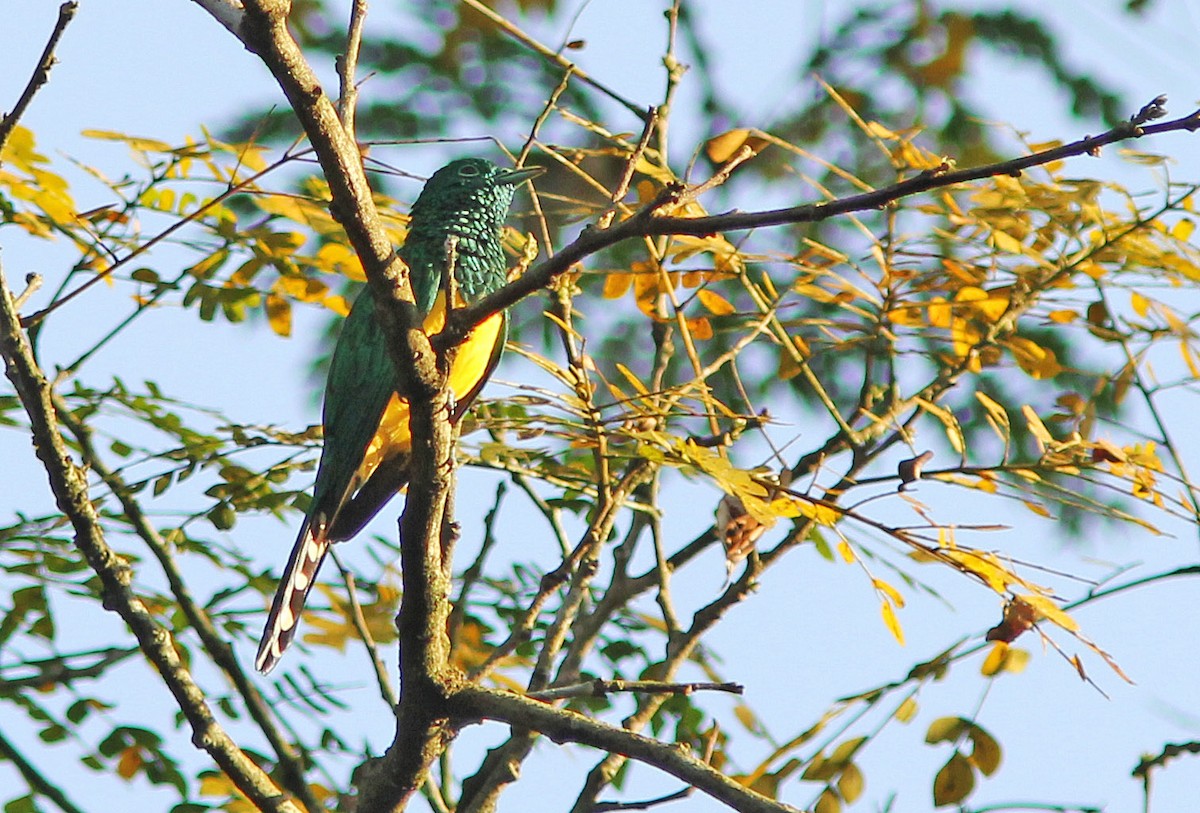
[(652, 220)]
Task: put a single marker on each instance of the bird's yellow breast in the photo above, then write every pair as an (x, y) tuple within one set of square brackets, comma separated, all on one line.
[(470, 364)]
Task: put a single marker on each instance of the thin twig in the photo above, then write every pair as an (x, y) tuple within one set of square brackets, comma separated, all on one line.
[(650, 222), (107, 272), (41, 74), (290, 762), (359, 620), (55, 671), (645, 804), (473, 573), (33, 777), (347, 66), (33, 282), (546, 53)]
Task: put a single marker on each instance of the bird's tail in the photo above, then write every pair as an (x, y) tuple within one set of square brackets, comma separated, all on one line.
[(307, 555)]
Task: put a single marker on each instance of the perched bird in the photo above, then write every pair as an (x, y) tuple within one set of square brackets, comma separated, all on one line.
[(366, 455)]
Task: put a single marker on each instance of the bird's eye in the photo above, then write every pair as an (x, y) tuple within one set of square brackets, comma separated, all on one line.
[(468, 170)]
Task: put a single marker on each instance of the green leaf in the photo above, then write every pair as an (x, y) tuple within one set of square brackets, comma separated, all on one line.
[(946, 729), (986, 754), (23, 804), (954, 782)]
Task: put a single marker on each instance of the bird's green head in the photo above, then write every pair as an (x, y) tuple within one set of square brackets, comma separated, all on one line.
[(468, 199), (470, 180)]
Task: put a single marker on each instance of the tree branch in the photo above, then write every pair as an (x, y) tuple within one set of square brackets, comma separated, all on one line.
[(603, 688), (648, 222), (562, 726), (69, 485), (228, 13), (422, 730), (41, 74), (289, 761), (52, 671)]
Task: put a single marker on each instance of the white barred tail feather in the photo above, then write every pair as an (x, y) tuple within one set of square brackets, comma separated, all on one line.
[(307, 555)]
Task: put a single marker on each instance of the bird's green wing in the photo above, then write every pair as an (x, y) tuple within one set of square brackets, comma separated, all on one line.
[(361, 382)]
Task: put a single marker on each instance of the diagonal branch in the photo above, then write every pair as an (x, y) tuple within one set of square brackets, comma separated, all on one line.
[(290, 763), (650, 222), (560, 725), (422, 729), (69, 485)]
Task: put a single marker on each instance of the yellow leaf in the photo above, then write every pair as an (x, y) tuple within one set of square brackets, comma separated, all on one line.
[(209, 264), (850, 783), (892, 623), (1037, 361), (130, 762), (989, 304), (1062, 317), (789, 507), (945, 729), (891, 592), (1140, 304), (997, 414), (338, 305), (827, 802), (304, 289), (1038, 508), (906, 710), (616, 284), (1050, 611), (716, 304), (134, 142), (1003, 241), (993, 664), (954, 432), (985, 755), (279, 314), (721, 148), (1036, 427), (984, 565), (700, 328), (746, 717), (877, 130), (632, 379), (846, 552)]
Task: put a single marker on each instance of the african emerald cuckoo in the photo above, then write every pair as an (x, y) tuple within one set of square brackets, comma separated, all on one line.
[(366, 455)]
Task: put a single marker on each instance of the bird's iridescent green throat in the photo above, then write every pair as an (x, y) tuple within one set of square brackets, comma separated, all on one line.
[(467, 199)]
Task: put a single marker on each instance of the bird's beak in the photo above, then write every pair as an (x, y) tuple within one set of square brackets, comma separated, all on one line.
[(513, 177)]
